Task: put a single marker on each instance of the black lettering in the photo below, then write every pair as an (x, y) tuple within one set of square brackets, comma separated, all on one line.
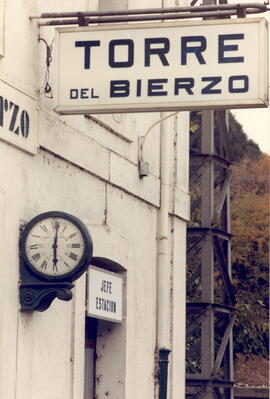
[(87, 44), (119, 88), (93, 94), (84, 93), (130, 55), (160, 51), (214, 81), (44, 264), (106, 286), (75, 245), (55, 225), (139, 88), (243, 89), (36, 257), (197, 50), (34, 246), (73, 94), (102, 285), (183, 83), (155, 87), (106, 305), (73, 256), (13, 117), (25, 123), (229, 47)]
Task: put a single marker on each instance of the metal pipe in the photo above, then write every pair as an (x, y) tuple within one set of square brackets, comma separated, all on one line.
[(163, 255), (216, 14), (163, 372), (203, 8)]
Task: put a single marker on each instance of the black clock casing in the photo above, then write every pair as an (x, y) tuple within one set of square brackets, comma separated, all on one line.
[(56, 246)]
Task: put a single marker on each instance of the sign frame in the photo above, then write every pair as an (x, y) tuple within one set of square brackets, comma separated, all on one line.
[(92, 294), (260, 101)]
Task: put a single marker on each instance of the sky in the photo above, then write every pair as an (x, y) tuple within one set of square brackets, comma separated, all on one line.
[(256, 121)]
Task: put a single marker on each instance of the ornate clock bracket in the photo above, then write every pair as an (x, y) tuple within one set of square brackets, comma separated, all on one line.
[(36, 294)]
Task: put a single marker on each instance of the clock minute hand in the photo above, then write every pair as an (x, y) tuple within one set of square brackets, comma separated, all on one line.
[(54, 246)]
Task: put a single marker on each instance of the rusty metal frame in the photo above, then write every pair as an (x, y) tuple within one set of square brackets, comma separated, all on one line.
[(84, 18), (209, 251)]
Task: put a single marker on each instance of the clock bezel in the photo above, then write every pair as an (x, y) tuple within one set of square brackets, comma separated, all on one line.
[(85, 260)]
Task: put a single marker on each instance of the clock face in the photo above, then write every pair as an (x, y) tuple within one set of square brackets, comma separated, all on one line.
[(56, 245)]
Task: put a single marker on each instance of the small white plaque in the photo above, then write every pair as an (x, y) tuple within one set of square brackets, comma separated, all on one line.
[(18, 118), (105, 295)]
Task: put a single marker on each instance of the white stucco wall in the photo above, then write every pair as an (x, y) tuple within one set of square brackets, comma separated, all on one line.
[(84, 169)]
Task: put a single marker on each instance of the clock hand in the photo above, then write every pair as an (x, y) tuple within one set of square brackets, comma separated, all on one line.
[(54, 246)]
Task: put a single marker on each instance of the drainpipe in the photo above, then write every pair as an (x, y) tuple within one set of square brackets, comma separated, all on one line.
[(163, 372), (163, 261)]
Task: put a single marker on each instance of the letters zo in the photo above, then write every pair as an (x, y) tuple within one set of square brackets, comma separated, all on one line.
[(13, 118)]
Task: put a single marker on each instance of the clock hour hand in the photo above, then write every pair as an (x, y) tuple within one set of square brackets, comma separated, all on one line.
[(54, 246)]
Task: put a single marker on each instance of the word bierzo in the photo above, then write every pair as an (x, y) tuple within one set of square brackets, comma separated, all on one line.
[(191, 48)]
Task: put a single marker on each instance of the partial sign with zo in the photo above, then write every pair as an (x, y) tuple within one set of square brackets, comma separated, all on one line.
[(18, 118)]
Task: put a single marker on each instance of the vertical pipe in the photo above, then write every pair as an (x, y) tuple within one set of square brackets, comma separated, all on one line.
[(163, 260), (163, 372)]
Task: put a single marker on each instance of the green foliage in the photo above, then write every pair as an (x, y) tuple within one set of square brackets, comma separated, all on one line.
[(251, 334), (241, 146), (250, 254)]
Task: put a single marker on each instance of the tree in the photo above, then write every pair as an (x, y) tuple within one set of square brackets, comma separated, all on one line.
[(241, 146), (250, 251)]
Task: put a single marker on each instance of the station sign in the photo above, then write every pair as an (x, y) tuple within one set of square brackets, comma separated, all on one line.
[(105, 295), (18, 118), (162, 66)]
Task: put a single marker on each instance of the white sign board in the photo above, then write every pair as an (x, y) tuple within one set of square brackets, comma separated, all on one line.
[(18, 118), (105, 295), (162, 66)]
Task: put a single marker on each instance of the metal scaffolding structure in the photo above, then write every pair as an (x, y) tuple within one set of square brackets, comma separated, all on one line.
[(210, 296)]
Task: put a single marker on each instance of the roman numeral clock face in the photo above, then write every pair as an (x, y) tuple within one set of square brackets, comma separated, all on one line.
[(56, 245)]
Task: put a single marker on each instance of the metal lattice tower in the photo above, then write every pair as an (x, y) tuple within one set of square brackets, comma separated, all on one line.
[(210, 297)]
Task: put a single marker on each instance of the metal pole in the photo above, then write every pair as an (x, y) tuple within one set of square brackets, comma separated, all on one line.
[(208, 5), (207, 253), (163, 372)]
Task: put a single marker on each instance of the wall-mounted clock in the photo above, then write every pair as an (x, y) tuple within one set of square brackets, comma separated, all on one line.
[(56, 246)]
